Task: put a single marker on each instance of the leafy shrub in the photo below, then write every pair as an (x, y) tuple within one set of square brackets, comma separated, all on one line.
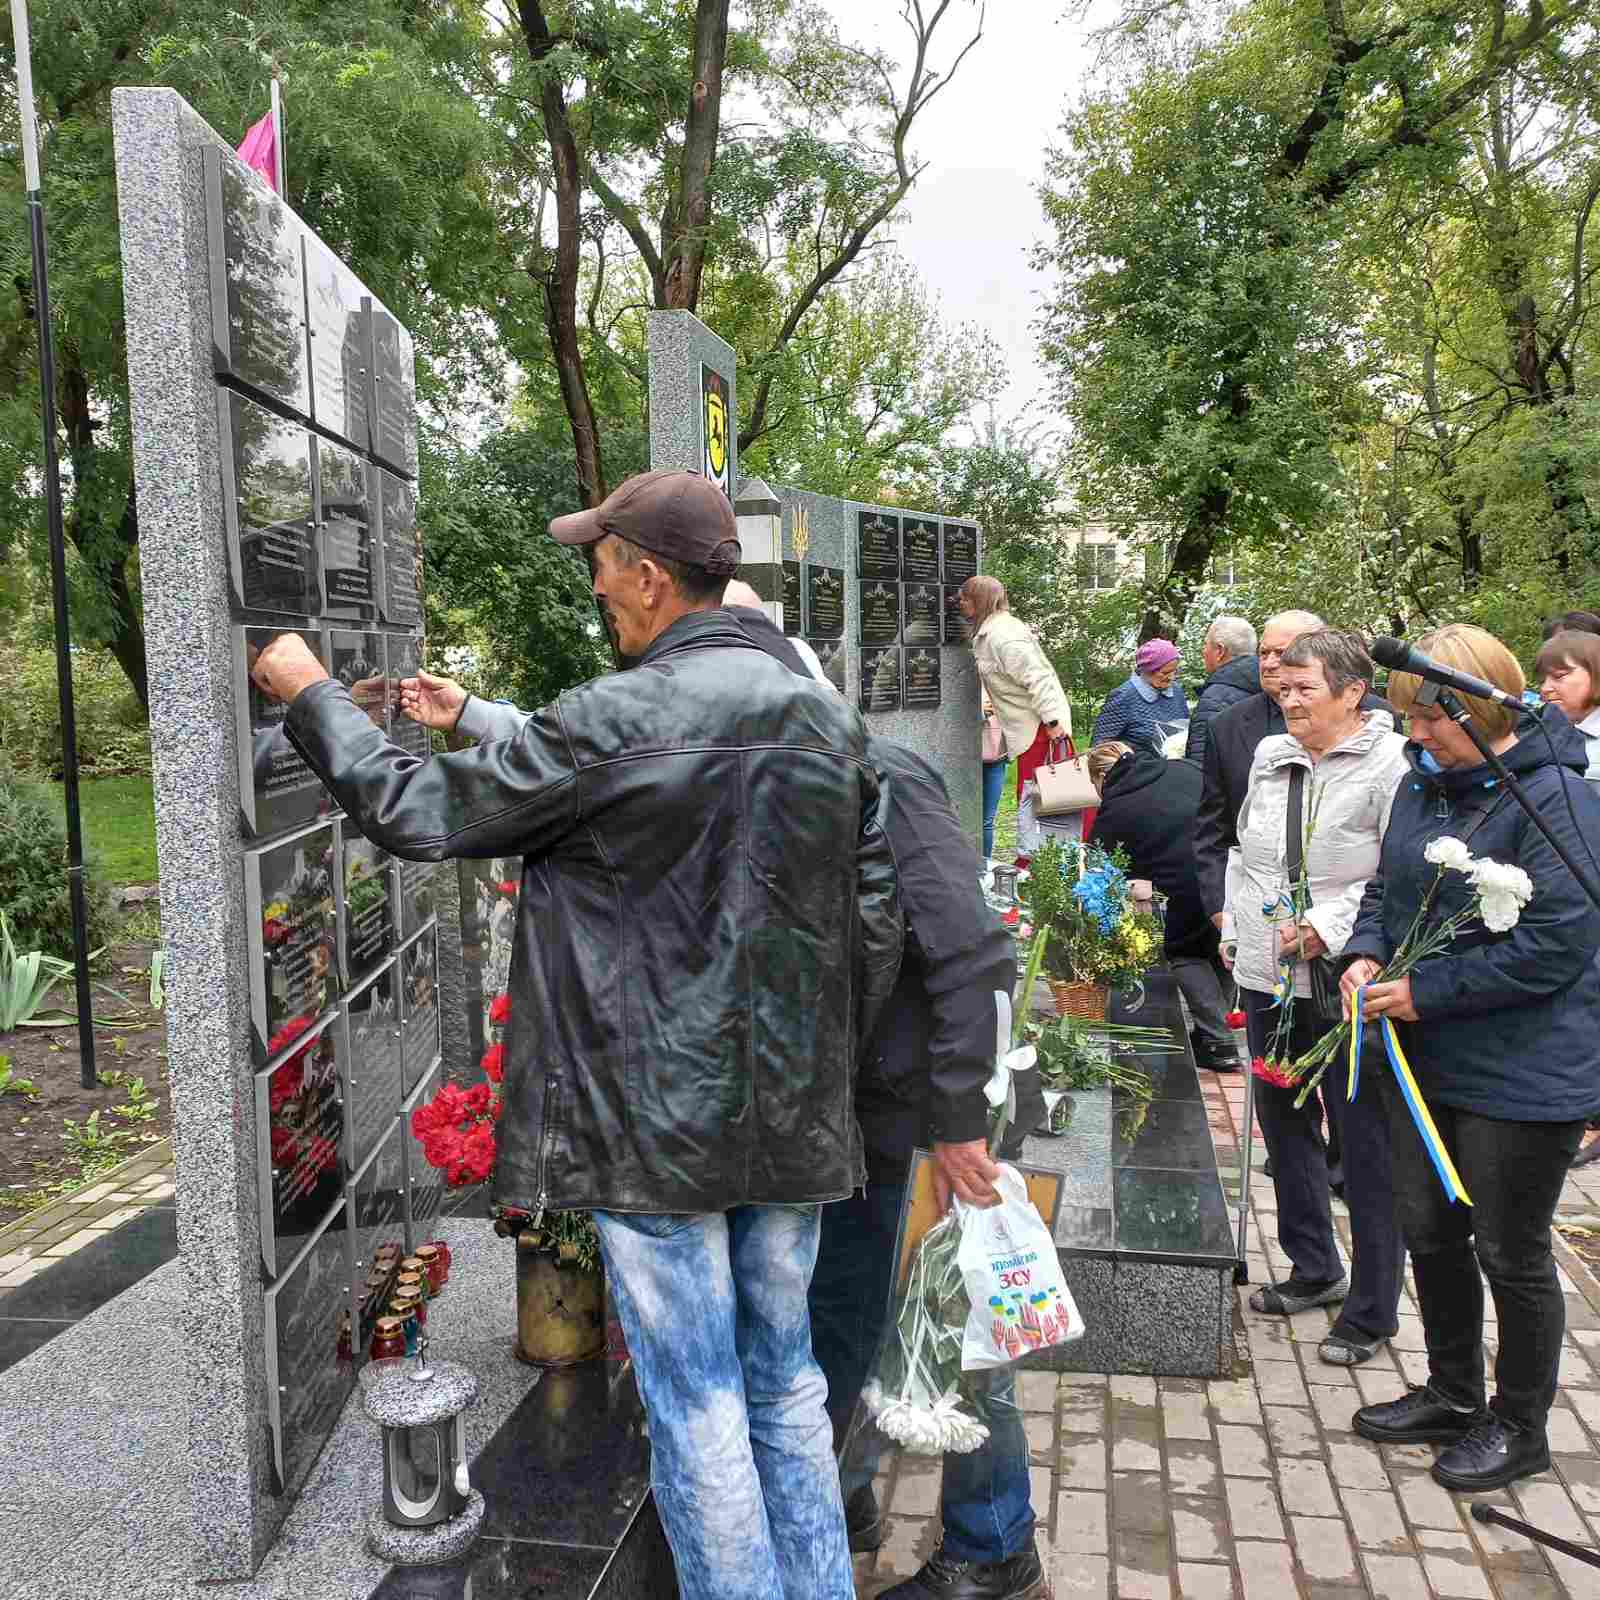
[(33, 873), (113, 731)]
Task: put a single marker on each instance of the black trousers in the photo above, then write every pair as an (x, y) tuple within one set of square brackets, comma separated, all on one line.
[(1300, 1176), (1513, 1171)]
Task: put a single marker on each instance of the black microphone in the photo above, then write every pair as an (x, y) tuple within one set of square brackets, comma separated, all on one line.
[(1398, 656)]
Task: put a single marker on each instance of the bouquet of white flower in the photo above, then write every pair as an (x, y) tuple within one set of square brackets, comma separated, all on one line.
[(1500, 891)]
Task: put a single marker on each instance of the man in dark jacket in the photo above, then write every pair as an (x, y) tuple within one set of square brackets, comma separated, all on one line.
[(699, 956), (1234, 674), (1148, 806)]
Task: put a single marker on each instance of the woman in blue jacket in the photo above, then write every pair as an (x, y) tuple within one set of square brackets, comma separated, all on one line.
[(1499, 1029)]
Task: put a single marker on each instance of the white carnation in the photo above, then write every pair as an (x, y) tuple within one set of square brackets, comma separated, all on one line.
[(1447, 852), (1502, 880), (1499, 912)]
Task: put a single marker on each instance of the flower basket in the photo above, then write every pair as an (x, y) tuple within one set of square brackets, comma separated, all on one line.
[(1086, 1000)]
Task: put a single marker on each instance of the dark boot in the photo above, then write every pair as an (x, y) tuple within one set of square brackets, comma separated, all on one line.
[(1418, 1417), (946, 1578), (1495, 1453), (863, 1521)]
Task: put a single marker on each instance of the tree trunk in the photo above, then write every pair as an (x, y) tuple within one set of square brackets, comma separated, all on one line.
[(687, 224)]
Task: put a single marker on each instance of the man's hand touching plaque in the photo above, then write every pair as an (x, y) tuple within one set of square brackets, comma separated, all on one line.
[(285, 667), (434, 702)]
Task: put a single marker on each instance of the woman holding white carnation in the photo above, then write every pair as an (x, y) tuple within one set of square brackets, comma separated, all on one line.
[(1499, 1027)]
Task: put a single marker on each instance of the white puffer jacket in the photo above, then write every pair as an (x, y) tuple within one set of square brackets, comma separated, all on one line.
[(1347, 797)]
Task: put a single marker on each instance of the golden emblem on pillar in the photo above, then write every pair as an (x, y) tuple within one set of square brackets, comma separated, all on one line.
[(802, 531)]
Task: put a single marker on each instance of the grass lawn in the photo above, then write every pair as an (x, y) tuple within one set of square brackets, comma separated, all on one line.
[(119, 825)]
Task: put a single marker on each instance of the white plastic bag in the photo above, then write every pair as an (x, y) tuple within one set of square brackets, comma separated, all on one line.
[(1008, 1261)]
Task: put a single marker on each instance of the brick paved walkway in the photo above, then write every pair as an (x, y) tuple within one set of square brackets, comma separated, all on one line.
[(1255, 1488)]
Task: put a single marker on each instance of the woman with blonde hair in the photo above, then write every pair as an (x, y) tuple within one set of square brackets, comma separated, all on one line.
[(1029, 702), (1499, 1028)]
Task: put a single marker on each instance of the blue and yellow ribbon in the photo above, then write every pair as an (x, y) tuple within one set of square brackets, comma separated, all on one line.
[(1427, 1131)]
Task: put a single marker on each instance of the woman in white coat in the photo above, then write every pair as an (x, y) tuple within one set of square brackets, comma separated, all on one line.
[(1342, 766)]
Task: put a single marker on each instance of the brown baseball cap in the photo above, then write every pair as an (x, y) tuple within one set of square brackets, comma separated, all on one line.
[(680, 515)]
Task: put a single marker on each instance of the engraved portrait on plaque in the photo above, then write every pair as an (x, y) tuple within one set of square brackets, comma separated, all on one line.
[(402, 550), (339, 328), (957, 630), (366, 903), (880, 613), (299, 1133), (878, 545), (419, 1006), (924, 613), (258, 296), (277, 790), (824, 596), (369, 1062), (880, 678), (960, 552), (831, 653), (919, 687), (268, 508), (393, 393), (378, 1199), (357, 659), (310, 1351), (344, 523), (293, 933), (919, 550), (403, 659)]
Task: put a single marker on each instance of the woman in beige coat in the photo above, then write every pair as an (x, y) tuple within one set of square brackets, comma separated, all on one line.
[(1027, 696)]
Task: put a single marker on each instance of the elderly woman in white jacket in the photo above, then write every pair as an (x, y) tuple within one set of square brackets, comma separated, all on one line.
[(1349, 764)]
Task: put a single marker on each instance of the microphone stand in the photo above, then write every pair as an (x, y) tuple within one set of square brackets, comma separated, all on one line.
[(1459, 715)]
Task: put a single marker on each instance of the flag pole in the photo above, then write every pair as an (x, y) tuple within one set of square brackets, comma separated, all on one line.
[(277, 134), (58, 549)]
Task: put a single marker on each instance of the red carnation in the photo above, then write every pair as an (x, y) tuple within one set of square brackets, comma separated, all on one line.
[(494, 1063), (1279, 1073), (478, 1152), (496, 1106), (507, 888), (1235, 1019), (478, 1098), (500, 1008)]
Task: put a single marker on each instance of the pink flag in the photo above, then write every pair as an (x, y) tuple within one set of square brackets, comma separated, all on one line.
[(260, 150)]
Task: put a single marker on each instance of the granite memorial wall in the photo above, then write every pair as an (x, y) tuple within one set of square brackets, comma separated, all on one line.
[(275, 444)]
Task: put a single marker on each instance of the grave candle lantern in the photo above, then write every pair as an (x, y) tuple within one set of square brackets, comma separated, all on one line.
[(430, 1511)]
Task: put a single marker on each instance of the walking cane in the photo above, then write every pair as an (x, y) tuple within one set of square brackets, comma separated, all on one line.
[(1241, 1268)]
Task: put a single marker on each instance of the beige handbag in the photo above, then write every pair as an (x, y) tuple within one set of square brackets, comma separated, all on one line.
[(1063, 782)]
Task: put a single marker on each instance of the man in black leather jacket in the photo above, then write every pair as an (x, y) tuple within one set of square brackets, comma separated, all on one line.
[(707, 927)]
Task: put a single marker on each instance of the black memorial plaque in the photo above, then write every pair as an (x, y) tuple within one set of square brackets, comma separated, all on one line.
[(300, 1129), (277, 790), (269, 509), (824, 587), (960, 560), (880, 678), (415, 885), (339, 328), (357, 658), (369, 1062), (878, 544), (923, 604), (393, 394), (345, 523), (957, 630), (777, 582), (378, 1198), (831, 653), (424, 1184), (310, 1353), (419, 1007), (880, 613), (366, 904), (402, 550), (293, 935), (919, 550), (919, 679), (258, 296), (403, 659)]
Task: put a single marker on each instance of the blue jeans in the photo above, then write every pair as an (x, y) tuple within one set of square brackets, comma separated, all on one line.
[(994, 785), (985, 1500), (741, 1459)]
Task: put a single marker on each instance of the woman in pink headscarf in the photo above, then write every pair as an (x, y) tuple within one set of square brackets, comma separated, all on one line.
[(1151, 705)]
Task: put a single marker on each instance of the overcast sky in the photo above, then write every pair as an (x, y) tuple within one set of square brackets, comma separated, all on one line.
[(969, 223)]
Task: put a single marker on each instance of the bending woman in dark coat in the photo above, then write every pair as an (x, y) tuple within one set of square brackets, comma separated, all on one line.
[(1148, 805), (1499, 1029)]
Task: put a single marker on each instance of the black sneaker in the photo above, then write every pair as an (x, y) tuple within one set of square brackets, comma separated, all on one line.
[(1418, 1417), (863, 1521), (945, 1578), (1495, 1453)]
